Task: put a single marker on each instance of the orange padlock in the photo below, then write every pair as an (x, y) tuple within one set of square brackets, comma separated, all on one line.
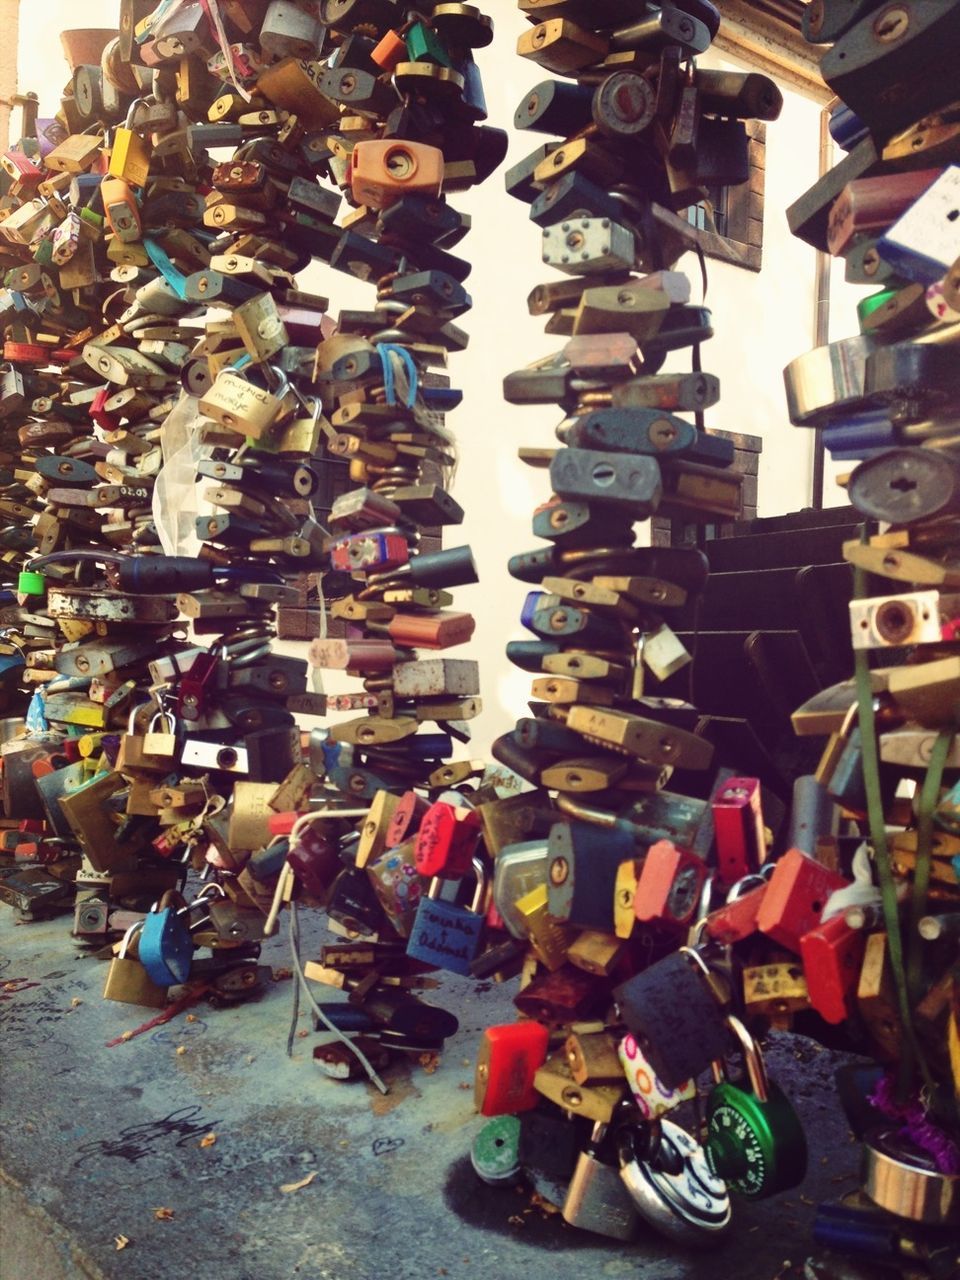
[(390, 51), (121, 209), (384, 171), (431, 631), (670, 886)]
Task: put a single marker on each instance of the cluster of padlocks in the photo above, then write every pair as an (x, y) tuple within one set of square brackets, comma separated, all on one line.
[(197, 459), (184, 427), (885, 963), (633, 986)]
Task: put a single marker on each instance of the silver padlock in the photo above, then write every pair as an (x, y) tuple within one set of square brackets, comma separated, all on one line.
[(582, 246), (672, 1186), (597, 1198), (290, 31)]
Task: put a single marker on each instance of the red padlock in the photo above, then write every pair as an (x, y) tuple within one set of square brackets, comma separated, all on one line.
[(795, 898), (406, 818), (738, 823), (447, 840), (670, 886), (97, 411), (508, 1059), (735, 920), (832, 956)]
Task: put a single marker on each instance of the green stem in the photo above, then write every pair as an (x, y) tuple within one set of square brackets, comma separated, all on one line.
[(911, 1057), (929, 796)]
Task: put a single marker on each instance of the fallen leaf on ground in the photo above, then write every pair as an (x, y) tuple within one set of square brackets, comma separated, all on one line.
[(208, 1140), (164, 1215), (289, 1187), (122, 1242), (75, 1001)]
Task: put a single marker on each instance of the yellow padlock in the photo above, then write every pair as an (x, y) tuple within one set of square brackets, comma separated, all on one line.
[(129, 153)]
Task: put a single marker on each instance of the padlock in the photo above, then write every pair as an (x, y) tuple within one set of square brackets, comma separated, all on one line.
[(495, 1151), (653, 1098), (593, 1058), (160, 740), (289, 30), (353, 904), (382, 172), (165, 948), (597, 1198), (446, 840), (129, 152), (518, 870), (673, 1187), (507, 1061), (396, 881), (581, 873), (755, 1140), (127, 979), (738, 825), (242, 406), (548, 1149), (832, 956), (796, 895), (597, 1102), (670, 886), (448, 935), (775, 991), (674, 1012)]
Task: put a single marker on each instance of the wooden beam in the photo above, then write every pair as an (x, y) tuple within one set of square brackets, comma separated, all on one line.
[(771, 45)]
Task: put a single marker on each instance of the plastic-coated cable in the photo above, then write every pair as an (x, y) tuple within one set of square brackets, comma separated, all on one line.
[(304, 985)]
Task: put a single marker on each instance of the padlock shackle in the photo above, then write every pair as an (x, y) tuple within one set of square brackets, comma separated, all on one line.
[(476, 903), (752, 1059), (128, 938)]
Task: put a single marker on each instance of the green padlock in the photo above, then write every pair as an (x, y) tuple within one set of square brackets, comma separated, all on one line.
[(31, 583), (495, 1154), (424, 45), (755, 1141)]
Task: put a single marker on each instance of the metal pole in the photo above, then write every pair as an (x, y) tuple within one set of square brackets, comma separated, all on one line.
[(821, 317)]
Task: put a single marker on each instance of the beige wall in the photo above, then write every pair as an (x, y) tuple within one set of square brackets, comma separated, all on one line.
[(761, 322)]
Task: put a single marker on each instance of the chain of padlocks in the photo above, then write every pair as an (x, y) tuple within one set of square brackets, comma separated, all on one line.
[(197, 458)]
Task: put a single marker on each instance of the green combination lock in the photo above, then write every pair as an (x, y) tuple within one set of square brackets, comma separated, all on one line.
[(754, 1141)]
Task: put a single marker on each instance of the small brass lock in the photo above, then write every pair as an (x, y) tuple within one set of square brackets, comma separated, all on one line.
[(242, 406)]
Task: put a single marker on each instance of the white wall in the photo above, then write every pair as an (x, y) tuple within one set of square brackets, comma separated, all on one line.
[(761, 321)]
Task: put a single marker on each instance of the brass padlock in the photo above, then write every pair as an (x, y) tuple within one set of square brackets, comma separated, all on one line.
[(128, 981), (161, 738), (242, 406)]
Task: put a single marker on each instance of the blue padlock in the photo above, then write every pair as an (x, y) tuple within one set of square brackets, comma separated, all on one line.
[(445, 934), (166, 947)]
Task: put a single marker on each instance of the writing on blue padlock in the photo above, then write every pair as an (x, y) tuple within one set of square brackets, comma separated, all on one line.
[(166, 946), (446, 934)]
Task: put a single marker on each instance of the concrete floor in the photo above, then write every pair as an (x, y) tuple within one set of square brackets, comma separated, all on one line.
[(95, 1139)]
